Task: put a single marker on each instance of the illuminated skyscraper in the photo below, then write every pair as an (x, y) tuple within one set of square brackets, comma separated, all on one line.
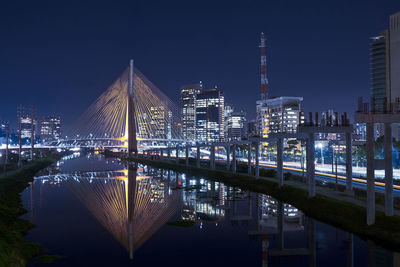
[(210, 115), (50, 128), (385, 71), (159, 122), (279, 115), (235, 126), (25, 120), (3, 131), (228, 109), (3, 128), (188, 117)]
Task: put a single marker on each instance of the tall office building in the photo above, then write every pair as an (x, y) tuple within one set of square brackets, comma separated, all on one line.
[(394, 32), (159, 122), (251, 128), (25, 119), (3, 132), (279, 115), (50, 128), (359, 132), (3, 128), (235, 126), (228, 109), (385, 67), (210, 115), (188, 117), (385, 71)]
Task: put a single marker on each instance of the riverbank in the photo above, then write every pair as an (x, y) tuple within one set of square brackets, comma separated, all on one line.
[(328, 208), (14, 250)]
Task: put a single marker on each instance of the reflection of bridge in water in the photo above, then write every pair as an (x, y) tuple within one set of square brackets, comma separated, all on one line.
[(130, 205)]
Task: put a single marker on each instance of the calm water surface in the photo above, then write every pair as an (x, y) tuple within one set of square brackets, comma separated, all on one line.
[(99, 212)]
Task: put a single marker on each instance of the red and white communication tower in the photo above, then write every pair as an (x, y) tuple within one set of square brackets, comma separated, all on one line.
[(264, 80)]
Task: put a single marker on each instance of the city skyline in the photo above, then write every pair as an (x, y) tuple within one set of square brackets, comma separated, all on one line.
[(230, 60)]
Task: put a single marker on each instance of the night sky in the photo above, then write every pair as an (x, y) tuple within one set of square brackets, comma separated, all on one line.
[(60, 55)]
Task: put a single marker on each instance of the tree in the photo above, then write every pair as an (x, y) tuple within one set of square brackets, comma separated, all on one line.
[(360, 155)]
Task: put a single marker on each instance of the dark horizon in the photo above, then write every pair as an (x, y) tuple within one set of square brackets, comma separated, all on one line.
[(59, 57)]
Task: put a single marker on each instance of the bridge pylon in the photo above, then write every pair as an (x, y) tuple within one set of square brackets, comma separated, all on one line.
[(132, 142)]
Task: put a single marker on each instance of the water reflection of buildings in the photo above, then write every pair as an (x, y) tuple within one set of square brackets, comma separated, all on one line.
[(274, 218), (203, 201), (269, 211), (133, 204)]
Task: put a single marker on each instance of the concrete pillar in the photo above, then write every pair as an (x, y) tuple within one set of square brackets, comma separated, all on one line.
[(228, 157), (161, 154), (187, 155), (349, 164), (257, 159), (234, 158), (212, 157), (388, 170), (198, 157), (370, 175), (169, 153), (311, 165), (249, 158), (279, 150), (177, 155)]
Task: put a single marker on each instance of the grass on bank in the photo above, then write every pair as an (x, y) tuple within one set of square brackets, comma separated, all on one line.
[(181, 223), (14, 250), (347, 216)]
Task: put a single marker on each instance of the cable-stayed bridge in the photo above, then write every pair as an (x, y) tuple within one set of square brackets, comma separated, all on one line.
[(131, 113)]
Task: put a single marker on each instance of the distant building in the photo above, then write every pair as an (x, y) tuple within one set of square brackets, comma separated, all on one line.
[(24, 123), (159, 122), (359, 132), (3, 128), (228, 109), (328, 118), (385, 72), (156, 123), (251, 128), (3, 132), (236, 126), (210, 115), (50, 128), (235, 123), (279, 115), (188, 117)]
